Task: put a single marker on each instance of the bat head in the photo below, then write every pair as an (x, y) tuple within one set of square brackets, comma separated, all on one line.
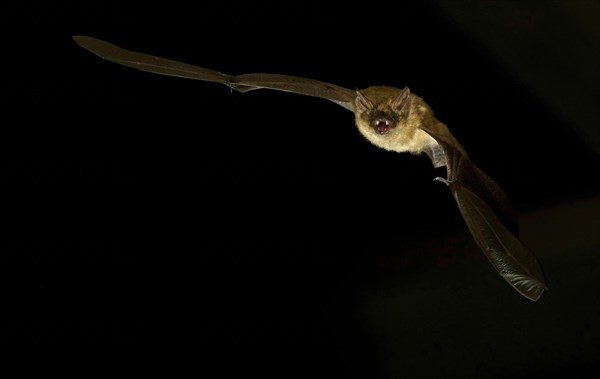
[(391, 118), (382, 109)]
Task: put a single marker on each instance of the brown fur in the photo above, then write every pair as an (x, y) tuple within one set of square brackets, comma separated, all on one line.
[(405, 134)]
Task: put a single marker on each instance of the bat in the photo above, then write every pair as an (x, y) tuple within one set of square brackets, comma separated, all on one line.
[(396, 120)]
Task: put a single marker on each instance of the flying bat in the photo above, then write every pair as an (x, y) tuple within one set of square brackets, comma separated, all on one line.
[(396, 120)]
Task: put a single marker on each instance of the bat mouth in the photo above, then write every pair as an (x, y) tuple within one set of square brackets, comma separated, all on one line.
[(382, 126)]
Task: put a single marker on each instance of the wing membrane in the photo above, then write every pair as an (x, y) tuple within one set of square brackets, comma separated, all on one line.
[(509, 256), (144, 62)]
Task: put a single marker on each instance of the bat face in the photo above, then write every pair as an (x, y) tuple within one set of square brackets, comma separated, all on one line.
[(390, 118)]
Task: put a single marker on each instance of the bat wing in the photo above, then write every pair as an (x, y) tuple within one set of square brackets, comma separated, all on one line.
[(489, 216), (247, 82)]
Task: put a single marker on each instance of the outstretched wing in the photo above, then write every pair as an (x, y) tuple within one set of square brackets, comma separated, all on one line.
[(489, 217), (140, 61), (513, 260)]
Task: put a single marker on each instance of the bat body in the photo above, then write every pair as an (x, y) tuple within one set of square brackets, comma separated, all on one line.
[(396, 120)]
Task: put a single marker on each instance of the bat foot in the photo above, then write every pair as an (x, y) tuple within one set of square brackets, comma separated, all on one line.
[(445, 181)]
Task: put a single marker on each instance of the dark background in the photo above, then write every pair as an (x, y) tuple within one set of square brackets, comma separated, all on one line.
[(157, 225)]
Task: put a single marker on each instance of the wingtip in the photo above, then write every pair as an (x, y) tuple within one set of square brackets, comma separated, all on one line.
[(80, 40), (537, 295)]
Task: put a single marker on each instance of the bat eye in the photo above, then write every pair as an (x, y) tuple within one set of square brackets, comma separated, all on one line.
[(381, 126)]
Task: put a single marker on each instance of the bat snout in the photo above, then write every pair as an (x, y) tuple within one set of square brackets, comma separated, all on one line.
[(382, 126)]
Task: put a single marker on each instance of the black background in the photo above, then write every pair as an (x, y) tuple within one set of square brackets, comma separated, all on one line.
[(172, 225)]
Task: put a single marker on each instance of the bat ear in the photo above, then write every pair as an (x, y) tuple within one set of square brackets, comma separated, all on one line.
[(362, 103), (401, 103)]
